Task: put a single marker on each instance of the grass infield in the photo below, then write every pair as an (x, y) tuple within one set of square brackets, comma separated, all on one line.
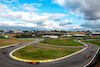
[(42, 53), (61, 42)]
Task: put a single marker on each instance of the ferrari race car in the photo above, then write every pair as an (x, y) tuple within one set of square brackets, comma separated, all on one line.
[(32, 62), (12, 46), (4, 52)]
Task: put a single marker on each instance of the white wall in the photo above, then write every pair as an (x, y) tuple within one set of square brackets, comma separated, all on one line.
[(50, 36)]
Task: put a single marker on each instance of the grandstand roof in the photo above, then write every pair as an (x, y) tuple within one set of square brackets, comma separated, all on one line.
[(79, 35), (95, 32)]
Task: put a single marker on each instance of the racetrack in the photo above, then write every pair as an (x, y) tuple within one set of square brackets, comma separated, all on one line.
[(77, 60)]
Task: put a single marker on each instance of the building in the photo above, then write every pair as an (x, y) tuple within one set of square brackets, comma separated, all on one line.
[(18, 32), (69, 35), (50, 36), (78, 35), (33, 35), (48, 32), (0, 32), (95, 33), (5, 31)]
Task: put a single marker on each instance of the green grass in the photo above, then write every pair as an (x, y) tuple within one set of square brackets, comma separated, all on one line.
[(34, 53), (61, 42), (54, 48), (96, 42)]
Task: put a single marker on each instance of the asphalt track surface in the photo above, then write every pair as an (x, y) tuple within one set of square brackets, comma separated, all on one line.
[(77, 60)]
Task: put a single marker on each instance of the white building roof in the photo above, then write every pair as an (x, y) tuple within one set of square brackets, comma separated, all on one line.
[(95, 32), (50, 36), (78, 34)]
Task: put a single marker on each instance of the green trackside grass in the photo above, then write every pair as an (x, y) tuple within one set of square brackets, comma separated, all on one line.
[(5, 42), (96, 42), (61, 42), (35, 53)]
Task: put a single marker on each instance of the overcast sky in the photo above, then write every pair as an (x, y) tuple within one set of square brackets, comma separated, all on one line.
[(68, 15)]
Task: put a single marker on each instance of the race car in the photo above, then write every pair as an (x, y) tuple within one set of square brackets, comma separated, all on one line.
[(87, 56), (12, 46), (4, 52), (20, 43), (32, 62)]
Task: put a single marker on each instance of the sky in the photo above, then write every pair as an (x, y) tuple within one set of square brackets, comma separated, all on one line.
[(46, 15)]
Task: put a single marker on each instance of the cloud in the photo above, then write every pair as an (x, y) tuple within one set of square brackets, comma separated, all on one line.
[(89, 9), (53, 16), (48, 25), (40, 0), (36, 4), (64, 23), (29, 16), (56, 19), (79, 17), (39, 4), (4, 10), (91, 25), (8, 1), (32, 20), (71, 20), (28, 7), (16, 24)]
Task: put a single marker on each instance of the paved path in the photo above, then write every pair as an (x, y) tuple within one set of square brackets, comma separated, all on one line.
[(77, 60)]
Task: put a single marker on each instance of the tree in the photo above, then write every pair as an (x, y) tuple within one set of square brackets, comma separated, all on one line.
[(25, 31), (1, 30), (55, 30), (61, 31), (88, 31)]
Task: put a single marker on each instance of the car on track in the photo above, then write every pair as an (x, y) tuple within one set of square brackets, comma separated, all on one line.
[(88, 56), (12, 46), (20, 43), (32, 62), (4, 51), (92, 47)]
